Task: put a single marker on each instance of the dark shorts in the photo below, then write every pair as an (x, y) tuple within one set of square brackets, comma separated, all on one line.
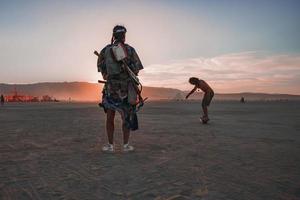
[(207, 98)]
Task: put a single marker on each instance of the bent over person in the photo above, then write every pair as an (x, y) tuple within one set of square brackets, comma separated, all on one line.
[(120, 93), (208, 95)]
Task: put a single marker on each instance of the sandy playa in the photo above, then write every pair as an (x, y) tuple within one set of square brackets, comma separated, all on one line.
[(248, 151)]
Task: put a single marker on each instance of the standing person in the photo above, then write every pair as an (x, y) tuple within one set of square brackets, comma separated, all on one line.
[(208, 95), (118, 93), (2, 99)]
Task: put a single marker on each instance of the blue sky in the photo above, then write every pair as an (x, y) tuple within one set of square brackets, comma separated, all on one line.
[(54, 40)]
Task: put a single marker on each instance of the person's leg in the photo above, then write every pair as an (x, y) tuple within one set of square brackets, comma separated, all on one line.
[(205, 110), (126, 134), (110, 117), (128, 89), (209, 99), (205, 118), (204, 105)]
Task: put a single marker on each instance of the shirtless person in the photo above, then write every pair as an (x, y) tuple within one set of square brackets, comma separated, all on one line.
[(208, 95)]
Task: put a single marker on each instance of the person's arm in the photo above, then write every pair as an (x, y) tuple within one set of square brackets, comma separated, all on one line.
[(191, 92), (137, 64), (101, 64)]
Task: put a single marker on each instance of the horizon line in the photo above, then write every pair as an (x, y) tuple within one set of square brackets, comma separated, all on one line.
[(241, 92)]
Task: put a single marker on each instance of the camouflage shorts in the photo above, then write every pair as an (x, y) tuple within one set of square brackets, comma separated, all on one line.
[(120, 90)]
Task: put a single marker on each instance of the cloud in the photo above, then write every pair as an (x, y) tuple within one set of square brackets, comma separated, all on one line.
[(238, 72)]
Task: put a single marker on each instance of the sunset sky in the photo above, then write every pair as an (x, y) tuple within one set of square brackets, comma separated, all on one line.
[(236, 46)]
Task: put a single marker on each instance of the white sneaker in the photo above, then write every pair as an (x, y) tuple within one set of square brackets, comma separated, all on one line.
[(108, 148), (127, 148)]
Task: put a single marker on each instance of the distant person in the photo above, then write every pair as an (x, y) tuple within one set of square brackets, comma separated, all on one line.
[(208, 95), (119, 93), (2, 99), (242, 100)]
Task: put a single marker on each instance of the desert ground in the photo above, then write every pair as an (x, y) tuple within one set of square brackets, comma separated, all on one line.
[(247, 151)]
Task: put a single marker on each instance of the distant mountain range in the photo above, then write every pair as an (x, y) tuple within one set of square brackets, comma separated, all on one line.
[(83, 91)]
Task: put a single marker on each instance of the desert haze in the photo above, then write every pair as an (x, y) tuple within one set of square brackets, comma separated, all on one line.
[(84, 91)]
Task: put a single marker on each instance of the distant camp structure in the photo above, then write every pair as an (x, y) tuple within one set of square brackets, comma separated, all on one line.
[(47, 98), (16, 97)]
